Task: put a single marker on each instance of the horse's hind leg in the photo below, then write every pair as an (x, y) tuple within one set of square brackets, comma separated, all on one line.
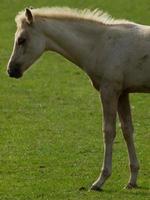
[(109, 103), (124, 112)]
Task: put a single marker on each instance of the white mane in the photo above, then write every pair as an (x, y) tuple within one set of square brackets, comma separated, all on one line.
[(86, 14)]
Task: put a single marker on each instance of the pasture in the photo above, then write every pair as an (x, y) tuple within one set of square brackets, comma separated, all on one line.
[(51, 145)]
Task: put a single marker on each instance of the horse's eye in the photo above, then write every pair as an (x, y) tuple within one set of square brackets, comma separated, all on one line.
[(21, 41)]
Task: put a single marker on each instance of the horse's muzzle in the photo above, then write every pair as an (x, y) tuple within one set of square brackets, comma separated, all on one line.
[(14, 73)]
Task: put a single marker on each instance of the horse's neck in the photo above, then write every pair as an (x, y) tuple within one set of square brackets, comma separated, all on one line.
[(73, 39)]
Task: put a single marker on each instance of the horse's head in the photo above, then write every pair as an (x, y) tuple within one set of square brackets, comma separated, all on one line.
[(29, 44)]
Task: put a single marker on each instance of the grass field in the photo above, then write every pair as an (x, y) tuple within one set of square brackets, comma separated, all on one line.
[(50, 121)]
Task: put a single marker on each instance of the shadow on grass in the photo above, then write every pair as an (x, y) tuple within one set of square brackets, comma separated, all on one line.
[(143, 191)]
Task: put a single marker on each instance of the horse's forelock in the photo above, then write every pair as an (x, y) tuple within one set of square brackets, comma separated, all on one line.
[(20, 19)]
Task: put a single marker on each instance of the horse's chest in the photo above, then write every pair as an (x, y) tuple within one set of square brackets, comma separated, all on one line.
[(95, 82)]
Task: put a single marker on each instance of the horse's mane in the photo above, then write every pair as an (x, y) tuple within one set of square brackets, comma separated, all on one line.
[(66, 12)]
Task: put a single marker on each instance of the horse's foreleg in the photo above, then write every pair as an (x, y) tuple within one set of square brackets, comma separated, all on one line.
[(124, 112), (109, 103)]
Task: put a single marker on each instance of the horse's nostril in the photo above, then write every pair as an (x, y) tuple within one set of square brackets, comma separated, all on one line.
[(14, 72), (8, 71)]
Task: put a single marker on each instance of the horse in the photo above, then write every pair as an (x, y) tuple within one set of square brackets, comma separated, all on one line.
[(115, 54)]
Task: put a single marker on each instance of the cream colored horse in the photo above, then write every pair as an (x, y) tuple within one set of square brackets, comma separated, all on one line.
[(114, 53)]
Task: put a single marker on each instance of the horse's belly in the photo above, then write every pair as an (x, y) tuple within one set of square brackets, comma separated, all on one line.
[(137, 78), (138, 83), (140, 89)]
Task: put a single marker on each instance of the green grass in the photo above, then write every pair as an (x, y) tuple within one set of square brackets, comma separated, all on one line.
[(50, 121)]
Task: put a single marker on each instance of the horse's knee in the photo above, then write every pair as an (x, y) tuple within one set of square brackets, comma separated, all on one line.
[(109, 134), (127, 132)]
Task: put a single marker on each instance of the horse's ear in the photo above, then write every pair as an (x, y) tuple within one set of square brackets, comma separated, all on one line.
[(29, 16)]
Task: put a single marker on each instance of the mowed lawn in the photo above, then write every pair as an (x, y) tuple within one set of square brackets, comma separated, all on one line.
[(51, 142)]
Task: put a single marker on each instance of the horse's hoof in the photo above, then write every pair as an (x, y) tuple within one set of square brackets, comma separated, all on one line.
[(131, 186), (96, 188)]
